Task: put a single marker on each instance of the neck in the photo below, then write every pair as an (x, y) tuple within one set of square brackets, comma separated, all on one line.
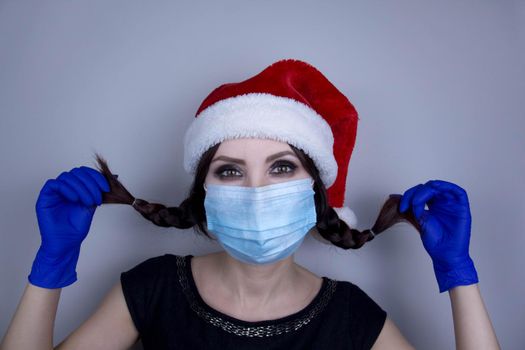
[(256, 285)]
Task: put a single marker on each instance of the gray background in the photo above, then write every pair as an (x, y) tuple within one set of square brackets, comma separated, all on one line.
[(438, 85)]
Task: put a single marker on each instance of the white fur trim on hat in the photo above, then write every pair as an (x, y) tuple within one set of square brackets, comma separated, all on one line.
[(262, 115)]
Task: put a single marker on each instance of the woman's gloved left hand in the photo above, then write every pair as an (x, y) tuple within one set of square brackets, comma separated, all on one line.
[(445, 228)]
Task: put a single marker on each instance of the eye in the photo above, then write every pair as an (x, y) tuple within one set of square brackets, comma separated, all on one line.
[(284, 165), (227, 170)]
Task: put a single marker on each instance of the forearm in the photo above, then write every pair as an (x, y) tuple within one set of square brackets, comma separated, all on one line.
[(33, 322), (472, 326)]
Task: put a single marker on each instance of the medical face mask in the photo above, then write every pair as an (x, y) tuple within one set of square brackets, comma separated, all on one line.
[(260, 225)]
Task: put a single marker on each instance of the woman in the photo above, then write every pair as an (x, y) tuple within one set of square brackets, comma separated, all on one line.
[(269, 157)]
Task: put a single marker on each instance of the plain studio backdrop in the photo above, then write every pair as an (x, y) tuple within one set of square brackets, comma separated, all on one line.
[(439, 88)]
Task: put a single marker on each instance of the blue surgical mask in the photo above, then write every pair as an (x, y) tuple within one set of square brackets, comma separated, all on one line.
[(260, 225)]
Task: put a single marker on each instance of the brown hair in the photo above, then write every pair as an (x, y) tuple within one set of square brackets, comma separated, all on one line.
[(191, 213)]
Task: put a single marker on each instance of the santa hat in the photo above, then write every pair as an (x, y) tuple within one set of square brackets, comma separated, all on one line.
[(289, 101)]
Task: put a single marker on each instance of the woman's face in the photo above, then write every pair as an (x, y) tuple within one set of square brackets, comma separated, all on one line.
[(254, 162)]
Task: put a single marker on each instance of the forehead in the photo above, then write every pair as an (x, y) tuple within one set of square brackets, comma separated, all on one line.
[(251, 146)]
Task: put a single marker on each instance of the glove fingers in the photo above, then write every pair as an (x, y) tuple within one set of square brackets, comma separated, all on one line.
[(68, 191), (90, 184), (53, 192), (419, 199), (448, 196), (406, 199), (459, 193), (78, 187), (98, 177)]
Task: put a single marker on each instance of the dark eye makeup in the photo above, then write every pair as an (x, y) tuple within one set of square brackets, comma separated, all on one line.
[(223, 170)]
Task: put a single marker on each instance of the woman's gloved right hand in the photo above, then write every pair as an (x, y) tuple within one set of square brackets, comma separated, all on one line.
[(446, 228), (65, 208)]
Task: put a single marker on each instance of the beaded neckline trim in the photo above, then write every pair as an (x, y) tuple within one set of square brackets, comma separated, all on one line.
[(251, 331)]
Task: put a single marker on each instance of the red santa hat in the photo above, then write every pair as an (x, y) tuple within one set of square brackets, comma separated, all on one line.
[(289, 101)]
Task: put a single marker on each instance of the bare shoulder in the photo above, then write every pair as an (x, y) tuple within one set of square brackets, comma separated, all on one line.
[(109, 327), (391, 338)]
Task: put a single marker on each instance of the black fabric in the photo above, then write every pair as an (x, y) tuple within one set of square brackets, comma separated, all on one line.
[(162, 313)]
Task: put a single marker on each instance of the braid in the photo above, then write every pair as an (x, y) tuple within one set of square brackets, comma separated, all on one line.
[(161, 215), (337, 232)]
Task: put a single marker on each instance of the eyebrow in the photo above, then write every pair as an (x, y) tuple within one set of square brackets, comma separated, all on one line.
[(241, 161)]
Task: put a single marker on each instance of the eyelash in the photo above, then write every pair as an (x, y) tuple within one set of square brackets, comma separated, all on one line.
[(227, 167)]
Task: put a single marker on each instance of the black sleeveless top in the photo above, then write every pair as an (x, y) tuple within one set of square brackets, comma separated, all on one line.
[(169, 313)]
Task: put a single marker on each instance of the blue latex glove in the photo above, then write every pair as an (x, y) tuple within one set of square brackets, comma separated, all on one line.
[(65, 208), (445, 228)]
